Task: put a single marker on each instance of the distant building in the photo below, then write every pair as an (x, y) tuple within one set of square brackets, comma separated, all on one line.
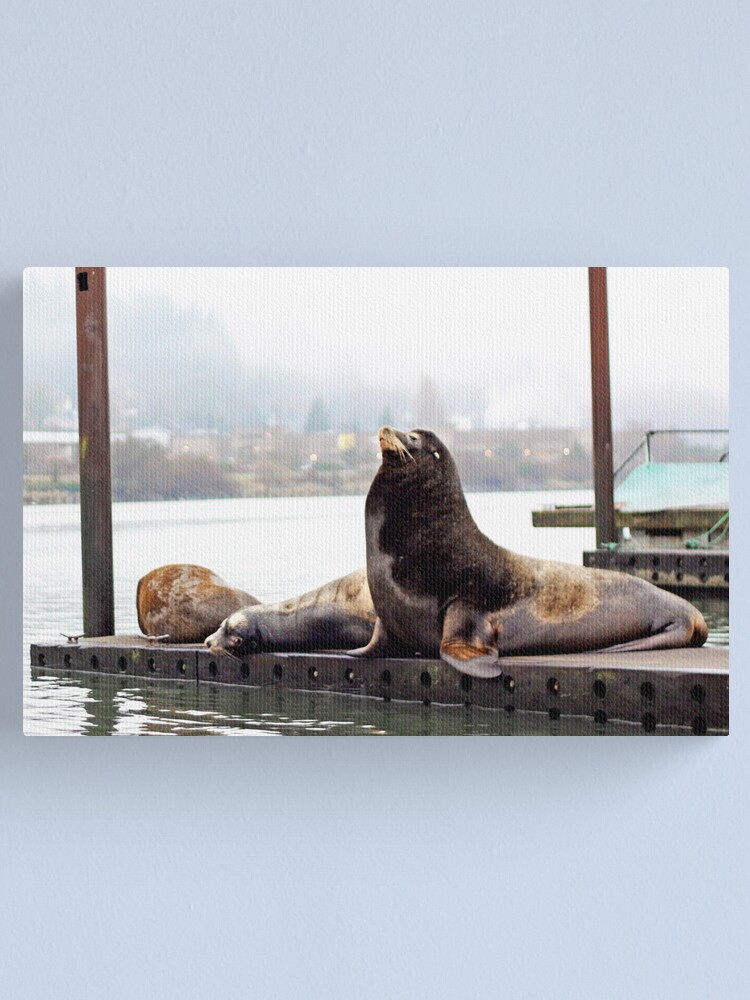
[(157, 435), (48, 451)]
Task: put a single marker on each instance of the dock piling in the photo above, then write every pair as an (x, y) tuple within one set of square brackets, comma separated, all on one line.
[(601, 409), (94, 452)]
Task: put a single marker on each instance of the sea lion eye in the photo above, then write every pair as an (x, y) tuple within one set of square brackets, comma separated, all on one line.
[(413, 437), (436, 454)]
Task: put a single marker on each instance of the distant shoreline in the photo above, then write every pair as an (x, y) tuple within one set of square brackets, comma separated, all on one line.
[(52, 497)]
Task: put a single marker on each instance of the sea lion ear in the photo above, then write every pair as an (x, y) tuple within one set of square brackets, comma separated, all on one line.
[(436, 454)]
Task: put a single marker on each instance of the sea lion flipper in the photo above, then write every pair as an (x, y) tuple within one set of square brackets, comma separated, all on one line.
[(689, 630), (466, 641), (378, 644)]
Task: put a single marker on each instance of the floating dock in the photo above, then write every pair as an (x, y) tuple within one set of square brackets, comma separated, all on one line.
[(672, 569), (695, 520), (668, 520), (688, 688)]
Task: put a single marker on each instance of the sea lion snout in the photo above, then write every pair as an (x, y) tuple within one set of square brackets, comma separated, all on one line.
[(213, 640), (390, 440), (393, 442), (223, 639)]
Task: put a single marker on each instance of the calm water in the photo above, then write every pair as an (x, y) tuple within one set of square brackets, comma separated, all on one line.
[(272, 548)]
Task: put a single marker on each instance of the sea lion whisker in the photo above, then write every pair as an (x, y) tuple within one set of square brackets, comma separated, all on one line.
[(401, 449), (225, 652), (389, 441)]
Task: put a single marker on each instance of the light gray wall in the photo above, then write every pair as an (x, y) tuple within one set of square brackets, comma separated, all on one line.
[(371, 133)]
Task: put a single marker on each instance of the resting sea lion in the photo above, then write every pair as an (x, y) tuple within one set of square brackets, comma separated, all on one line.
[(337, 615), (442, 587), (185, 602)]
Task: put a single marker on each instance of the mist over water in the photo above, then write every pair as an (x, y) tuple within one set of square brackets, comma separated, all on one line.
[(224, 348)]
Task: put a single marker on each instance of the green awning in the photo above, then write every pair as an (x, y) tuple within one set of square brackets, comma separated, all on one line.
[(665, 485)]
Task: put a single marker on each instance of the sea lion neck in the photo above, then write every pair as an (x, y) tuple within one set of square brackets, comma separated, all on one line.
[(418, 503)]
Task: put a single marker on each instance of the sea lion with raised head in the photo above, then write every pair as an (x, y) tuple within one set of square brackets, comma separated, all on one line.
[(337, 615), (441, 587), (186, 602)]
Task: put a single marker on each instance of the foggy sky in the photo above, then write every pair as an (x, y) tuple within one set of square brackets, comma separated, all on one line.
[(518, 338)]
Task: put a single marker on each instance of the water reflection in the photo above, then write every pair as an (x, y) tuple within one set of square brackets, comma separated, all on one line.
[(105, 705)]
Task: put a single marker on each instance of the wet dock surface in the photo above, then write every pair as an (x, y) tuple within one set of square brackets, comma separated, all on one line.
[(685, 688)]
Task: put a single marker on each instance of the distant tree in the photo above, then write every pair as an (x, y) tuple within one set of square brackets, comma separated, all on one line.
[(430, 412), (386, 417), (142, 470), (275, 476), (318, 417), (576, 466), (39, 402)]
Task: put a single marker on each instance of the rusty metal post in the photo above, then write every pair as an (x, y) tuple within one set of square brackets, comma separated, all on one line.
[(601, 408), (94, 452)]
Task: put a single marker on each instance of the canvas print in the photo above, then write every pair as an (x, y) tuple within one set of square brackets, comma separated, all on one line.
[(376, 501)]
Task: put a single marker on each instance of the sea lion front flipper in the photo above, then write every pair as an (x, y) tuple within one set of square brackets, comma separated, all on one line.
[(378, 644), (468, 641)]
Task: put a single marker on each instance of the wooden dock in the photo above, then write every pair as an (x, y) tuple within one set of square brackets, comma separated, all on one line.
[(678, 687), (694, 519)]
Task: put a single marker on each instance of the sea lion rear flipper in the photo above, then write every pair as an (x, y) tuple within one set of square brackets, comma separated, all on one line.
[(468, 642), (378, 644), (687, 631)]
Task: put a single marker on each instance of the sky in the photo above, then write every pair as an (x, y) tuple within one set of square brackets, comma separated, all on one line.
[(518, 337)]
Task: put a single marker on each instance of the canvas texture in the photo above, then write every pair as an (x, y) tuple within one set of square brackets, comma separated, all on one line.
[(375, 501)]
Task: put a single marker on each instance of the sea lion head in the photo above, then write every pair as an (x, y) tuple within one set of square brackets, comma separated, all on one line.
[(417, 446), (416, 472), (416, 459), (235, 636)]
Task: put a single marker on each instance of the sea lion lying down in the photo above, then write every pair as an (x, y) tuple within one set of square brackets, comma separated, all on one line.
[(337, 615), (188, 603), (185, 602)]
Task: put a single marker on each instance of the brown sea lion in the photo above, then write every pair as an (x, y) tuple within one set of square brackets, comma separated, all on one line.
[(337, 615), (441, 587), (186, 602)]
